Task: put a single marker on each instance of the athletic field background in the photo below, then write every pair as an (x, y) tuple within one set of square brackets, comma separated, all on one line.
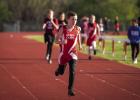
[(119, 54)]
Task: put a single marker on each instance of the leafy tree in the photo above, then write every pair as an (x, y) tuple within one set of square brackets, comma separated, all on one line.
[(4, 12), (34, 10), (109, 8)]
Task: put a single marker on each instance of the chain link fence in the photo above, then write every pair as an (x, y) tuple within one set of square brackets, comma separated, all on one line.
[(19, 26)]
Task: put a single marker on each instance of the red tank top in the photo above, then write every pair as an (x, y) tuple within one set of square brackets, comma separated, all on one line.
[(92, 28), (71, 38)]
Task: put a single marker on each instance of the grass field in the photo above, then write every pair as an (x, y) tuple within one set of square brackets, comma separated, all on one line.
[(118, 56)]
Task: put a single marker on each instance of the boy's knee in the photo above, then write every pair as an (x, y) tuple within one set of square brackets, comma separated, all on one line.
[(61, 69)]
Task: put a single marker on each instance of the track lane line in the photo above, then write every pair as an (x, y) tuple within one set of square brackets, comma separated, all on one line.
[(19, 82), (112, 85), (65, 84)]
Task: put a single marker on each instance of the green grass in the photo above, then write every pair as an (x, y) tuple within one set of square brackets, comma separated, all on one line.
[(118, 56), (38, 38)]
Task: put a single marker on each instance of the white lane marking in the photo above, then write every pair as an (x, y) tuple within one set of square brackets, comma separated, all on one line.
[(65, 84), (109, 69), (113, 85), (11, 35), (19, 82), (78, 90)]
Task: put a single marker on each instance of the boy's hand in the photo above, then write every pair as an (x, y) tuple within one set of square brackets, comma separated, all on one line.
[(64, 41), (80, 47)]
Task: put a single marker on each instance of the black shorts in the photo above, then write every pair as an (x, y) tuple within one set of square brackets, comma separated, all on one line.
[(48, 37)]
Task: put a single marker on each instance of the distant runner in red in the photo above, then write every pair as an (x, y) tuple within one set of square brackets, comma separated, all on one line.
[(68, 36), (93, 33), (61, 20)]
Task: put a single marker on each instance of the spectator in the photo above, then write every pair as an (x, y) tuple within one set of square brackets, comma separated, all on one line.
[(116, 26), (134, 37), (106, 24)]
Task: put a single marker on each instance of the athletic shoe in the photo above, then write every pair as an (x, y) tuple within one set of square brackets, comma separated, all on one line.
[(89, 58), (125, 57), (71, 93), (135, 61), (50, 61), (94, 52), (47, 57), (56, 73)]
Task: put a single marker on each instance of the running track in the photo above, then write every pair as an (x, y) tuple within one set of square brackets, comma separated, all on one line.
[(26, 75)]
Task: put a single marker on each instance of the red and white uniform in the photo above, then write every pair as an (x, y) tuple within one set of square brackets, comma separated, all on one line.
[(92, 34), (68, 50)]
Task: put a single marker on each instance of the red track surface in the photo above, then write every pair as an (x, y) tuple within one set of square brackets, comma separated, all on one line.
[(26, 75)]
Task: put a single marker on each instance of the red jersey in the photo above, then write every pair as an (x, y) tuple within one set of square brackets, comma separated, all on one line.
[(92, 34), (117, 26), (68, 50)]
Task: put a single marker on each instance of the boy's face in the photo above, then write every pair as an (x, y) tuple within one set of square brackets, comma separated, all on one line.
[(50, 14), (72, 20), (92, 19), (62, 16)]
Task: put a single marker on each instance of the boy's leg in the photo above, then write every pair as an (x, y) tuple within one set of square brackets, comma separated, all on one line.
[(137, 50), (50, 50), (60, 70), (50, 45), (133, 51), (94, 47), (47, 52), (46, 38), (90, 52), (72, 64)]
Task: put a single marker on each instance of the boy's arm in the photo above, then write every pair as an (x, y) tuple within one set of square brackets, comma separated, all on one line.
[(59, 36), (79, 38), (55, 23), (44, 26), (98, 30)]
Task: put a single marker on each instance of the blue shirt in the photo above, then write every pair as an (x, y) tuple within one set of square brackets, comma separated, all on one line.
[(134, 34)]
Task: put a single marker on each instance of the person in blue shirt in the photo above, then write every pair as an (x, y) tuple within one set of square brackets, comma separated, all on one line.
[(134, 37), (139, 21)]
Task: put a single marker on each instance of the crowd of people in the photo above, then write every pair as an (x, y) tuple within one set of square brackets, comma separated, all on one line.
[(65, 32)]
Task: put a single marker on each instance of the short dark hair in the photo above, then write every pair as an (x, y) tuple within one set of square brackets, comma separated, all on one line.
[(71, 13)]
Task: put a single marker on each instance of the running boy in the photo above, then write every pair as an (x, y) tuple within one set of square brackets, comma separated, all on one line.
[(50, 26), (93, 32), (134, 37), (68, 36)]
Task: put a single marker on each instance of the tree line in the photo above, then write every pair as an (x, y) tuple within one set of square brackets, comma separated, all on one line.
[(35, 10)]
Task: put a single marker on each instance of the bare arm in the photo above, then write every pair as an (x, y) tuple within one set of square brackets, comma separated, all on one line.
[(79, 39), (54, 24), (98, 30), (59, 37), (44, 26)]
